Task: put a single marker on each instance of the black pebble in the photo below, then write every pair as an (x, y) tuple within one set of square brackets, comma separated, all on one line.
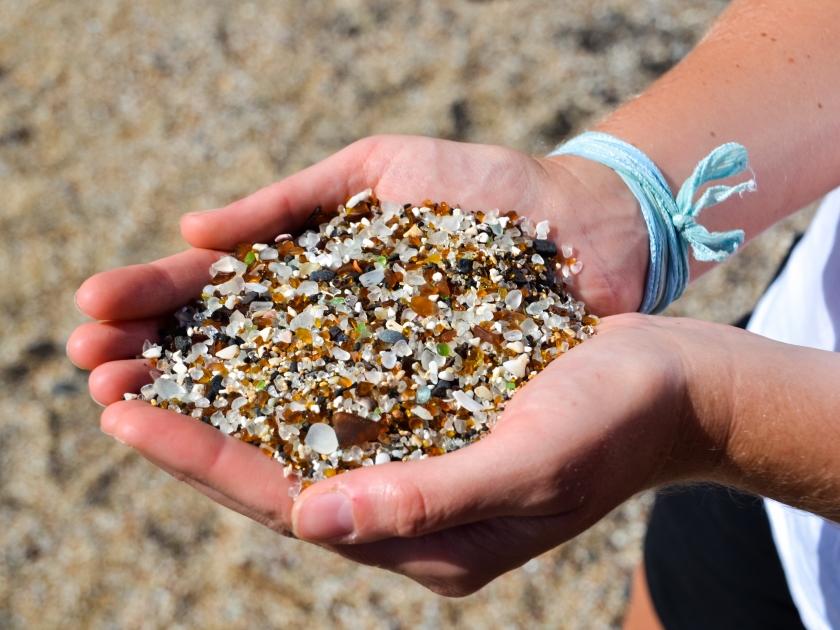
[(334, 331), (305, 426), (321, 400), (250, 297), (358, 346), (223, 338), (313, 299), (407, 364), (341, 338), (440, 389), (206, 420), (212, 396), (238, 340), (188, 384), (293, 367), (183, 344), (216, 384), (391, 336), (465, 265), (322, 275), (545, 248), (221, 315), (518, 276), (393, 257)]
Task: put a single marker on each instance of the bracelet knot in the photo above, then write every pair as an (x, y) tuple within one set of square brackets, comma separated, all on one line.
[(671, 222)]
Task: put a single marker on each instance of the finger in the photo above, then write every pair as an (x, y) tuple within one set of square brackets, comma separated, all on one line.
[(202, 453), (149, 290), (108, 382), (281, 527), (286, 205), (96, 343)]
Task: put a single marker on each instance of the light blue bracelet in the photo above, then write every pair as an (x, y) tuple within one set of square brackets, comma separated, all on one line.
[(671, 222)]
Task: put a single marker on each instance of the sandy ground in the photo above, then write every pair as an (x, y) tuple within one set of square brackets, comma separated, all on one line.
[(118, 117)]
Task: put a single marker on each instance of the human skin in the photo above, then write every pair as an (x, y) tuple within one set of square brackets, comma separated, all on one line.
[(647, 401)]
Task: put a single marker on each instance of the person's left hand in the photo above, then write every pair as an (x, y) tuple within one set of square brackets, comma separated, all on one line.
[(612, 417)]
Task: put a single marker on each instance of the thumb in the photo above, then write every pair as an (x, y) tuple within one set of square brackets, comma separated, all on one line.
[(287, 204), (498, 476)]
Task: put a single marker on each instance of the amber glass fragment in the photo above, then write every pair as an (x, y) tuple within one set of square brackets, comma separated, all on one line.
[(219, 278), (486, 335), (448, 335), (292, 416), (261, 398), (304, 335), (423, 306), (352, 429), (391, 278), (242, 250), (364, 388)]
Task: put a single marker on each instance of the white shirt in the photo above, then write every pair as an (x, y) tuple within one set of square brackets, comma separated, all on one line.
[(802, 307)]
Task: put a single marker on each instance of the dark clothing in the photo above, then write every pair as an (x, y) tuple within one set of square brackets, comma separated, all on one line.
[(710, 562)]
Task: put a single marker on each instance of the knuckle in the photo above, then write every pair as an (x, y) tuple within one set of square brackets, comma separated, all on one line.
[(411, 517)]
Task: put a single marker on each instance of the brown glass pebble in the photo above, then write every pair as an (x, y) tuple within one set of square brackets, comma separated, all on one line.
[(351, 429)]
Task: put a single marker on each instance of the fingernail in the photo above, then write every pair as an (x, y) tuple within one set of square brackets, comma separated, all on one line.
[(69, 358), (96, 401), (325, 517), (111, 435), (197, 212), (76, 302)]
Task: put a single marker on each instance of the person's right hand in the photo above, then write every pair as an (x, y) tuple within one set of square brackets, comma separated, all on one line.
[(587, 204)]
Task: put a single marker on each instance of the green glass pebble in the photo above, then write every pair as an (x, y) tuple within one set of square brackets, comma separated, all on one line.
[(443, 349), (249, 258)]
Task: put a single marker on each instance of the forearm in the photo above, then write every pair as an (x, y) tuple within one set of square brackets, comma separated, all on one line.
[(765, 76), (774, 412)]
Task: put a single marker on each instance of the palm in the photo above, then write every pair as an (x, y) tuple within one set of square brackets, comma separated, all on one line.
[(132, 302)]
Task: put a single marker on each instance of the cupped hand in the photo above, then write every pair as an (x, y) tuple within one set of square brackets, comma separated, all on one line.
[(612, 417), (587, 206)]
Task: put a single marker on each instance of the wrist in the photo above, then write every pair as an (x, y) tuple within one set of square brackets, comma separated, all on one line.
[(709, 375), (611, 235)]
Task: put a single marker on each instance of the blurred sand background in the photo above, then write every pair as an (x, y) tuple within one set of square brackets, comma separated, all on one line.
[(116, 118)]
